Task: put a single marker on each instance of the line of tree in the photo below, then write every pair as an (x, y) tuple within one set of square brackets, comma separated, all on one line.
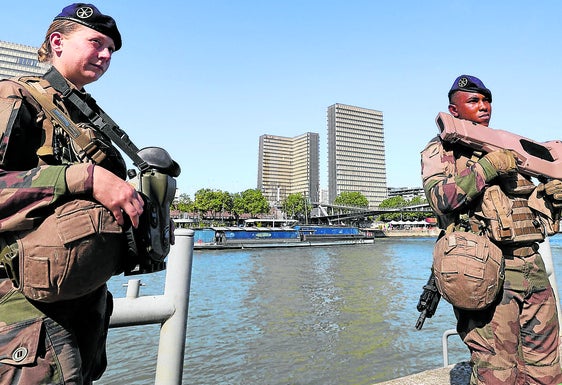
[(400, 201), (219, 204)]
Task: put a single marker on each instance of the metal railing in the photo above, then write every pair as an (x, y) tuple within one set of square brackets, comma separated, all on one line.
[(546, 254), (169, 310)]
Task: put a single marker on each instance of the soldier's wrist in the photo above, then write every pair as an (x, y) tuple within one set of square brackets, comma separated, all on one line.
[(490, 171), (80, 178)]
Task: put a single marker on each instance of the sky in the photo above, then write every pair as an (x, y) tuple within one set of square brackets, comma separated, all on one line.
[(205, 79)]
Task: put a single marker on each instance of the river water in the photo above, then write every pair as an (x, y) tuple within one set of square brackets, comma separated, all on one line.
[(334, 315)]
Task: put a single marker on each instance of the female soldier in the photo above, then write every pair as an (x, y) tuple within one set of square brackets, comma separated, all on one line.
[(61, 214)]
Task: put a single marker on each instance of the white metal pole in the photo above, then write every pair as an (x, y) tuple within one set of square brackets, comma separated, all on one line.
[(171, 350), (546, 254)]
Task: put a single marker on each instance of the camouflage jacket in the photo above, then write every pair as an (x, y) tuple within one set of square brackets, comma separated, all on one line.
[(448, 185), (454, 183), (37, 170)]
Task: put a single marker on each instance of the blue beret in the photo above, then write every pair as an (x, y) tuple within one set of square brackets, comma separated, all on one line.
[(470, 83), (91, 17)]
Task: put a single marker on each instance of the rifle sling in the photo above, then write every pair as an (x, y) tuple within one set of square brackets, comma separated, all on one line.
[(100, 121), (39, 92)]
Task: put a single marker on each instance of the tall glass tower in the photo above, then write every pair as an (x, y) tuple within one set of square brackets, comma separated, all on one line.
[(356, 154)]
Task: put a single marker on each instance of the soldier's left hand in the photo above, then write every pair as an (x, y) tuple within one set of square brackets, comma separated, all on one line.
[(553, 191)]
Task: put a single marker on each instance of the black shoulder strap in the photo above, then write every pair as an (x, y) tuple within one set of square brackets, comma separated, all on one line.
[(100, 120)]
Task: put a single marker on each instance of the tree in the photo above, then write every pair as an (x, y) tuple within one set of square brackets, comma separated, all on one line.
[(296, 206), (212, 200), (393, 202), (184, 204), (351, 198), (250, 202), (399, 201)]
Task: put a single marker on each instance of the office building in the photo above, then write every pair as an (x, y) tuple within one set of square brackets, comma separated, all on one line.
[(408, 193), (19, 60), (289, 166), (356, 154)]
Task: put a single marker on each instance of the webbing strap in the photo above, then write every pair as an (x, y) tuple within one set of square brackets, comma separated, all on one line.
[(39, 92), (101, 121), (505, 230)]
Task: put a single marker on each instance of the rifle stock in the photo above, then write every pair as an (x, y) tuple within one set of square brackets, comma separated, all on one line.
[(533, 158)]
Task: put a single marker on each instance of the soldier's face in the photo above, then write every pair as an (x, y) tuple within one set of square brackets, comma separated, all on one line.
[(82, 56), (471, 106)]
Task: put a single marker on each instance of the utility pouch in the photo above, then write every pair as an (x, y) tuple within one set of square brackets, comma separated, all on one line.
[(9, 259), (508, 220), (71, 253), (468, 269), (8, 111), (149, 244)]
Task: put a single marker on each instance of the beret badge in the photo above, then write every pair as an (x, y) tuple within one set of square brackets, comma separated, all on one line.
[(84, 12)]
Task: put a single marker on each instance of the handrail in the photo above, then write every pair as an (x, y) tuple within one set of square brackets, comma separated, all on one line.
[(170, 310)]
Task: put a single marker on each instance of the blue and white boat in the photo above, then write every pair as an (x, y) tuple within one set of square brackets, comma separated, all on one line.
[(270, 233)]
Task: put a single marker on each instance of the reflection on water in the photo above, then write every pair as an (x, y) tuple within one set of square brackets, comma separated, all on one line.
[(334, 315)]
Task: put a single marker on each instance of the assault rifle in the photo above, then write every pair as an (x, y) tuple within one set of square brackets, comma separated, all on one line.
[(533, 158), (536, 159), (429, 299)]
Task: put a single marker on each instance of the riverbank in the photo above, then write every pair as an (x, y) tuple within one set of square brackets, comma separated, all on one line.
[(455, 374), (425, 233)]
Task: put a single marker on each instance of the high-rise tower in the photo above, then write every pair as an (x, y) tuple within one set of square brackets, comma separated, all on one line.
[(356, 157), (289, 166), (19, 60)]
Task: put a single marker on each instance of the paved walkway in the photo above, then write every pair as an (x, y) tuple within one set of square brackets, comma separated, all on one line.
[(457, 374)]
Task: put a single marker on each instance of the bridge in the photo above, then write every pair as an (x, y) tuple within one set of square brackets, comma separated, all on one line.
[(326, 213)]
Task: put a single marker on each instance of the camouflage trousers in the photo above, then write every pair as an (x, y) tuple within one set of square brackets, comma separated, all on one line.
[(52, 343), (516, 340)]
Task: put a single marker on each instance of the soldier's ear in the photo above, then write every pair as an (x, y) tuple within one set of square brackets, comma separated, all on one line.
[(56, 41), (453, 110)]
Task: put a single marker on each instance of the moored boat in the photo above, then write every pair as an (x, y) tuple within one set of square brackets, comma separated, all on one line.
[(287, 234)]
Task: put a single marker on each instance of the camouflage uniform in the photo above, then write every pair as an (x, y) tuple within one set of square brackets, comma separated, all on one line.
[(514, 341), (45, 343)]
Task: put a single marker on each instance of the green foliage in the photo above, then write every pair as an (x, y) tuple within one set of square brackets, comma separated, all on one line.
[(392, 202), (399, 201), (212, 200), (351, 198), (250, 202), (296, 206), (183, 204)]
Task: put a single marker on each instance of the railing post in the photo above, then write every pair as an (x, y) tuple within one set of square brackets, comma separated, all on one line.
[(546, 254), (169, 365)]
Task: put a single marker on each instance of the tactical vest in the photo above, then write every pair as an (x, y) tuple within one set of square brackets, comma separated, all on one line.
[(67, 142), (503, 212)]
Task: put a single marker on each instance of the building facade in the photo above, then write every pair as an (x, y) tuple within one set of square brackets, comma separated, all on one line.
[(407, 193), (289, 166), (356, 153), (19, 60)]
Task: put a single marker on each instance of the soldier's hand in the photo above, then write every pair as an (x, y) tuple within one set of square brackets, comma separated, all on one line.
[(503, 161), (553, 191), (117, 196)]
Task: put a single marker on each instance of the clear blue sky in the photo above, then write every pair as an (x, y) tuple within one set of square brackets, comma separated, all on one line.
[(204, 79)]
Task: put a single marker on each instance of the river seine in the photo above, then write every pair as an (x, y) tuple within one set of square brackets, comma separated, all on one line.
[(329, 316)]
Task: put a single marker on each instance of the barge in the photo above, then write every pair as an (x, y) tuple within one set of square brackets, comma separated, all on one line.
[(286, 234)]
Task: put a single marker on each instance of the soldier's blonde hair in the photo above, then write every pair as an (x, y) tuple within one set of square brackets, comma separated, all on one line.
[(64, 27)]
